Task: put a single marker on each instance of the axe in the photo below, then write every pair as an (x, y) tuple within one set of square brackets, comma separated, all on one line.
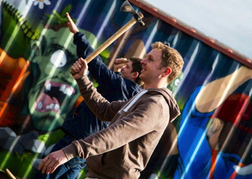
[(137, 17)]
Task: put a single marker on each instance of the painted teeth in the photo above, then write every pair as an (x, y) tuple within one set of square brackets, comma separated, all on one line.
[(53, 106), (48, 86), (56, 106), (66, 90), (40, 105), (62, 88)]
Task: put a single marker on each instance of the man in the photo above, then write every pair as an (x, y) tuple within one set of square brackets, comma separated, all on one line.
[(113, 85), (123, 149)]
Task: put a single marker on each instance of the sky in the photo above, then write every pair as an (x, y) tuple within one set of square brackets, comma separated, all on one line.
[(227, 21)]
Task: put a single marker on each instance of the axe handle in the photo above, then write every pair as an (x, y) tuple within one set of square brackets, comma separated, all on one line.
[(10, 174), (112, 38)]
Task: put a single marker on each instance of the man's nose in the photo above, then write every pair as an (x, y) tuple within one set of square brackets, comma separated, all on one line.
[(143, 61)]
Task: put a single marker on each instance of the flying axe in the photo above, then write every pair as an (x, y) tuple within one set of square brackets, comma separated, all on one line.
[(137, 17)]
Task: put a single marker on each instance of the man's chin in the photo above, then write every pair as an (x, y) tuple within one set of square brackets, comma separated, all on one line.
[(141, 76)]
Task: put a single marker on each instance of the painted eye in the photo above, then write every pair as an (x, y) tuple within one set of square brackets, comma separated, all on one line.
[(58, 58), (177, 82)]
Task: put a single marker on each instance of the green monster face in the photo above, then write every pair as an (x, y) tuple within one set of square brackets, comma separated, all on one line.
[(55, 91)]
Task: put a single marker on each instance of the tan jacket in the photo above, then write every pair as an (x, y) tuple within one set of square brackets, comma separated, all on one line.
[(123, 149)]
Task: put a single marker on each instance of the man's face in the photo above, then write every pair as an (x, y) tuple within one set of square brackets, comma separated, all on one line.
[(151, 66), (126, 71)]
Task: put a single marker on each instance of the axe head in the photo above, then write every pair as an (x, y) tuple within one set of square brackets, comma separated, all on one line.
[(126, 7)]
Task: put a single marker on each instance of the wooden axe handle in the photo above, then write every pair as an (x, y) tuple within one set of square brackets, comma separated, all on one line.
[(112, 38), (10, 174)]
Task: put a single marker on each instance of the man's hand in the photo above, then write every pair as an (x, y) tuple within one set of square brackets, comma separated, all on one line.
[(52, 161), (71, 25), (119, 64), (79, 68)]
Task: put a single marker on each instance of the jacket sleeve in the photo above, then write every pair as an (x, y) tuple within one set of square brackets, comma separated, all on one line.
[(96, 67), (143, 120), (101, 107)]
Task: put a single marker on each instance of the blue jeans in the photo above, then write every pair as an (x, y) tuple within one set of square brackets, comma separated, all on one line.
[(69, 170)]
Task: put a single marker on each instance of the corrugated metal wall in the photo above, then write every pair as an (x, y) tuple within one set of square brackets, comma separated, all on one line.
[(212, 137)]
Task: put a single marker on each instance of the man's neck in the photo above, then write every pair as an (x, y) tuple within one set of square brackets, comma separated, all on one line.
[(155, 85)]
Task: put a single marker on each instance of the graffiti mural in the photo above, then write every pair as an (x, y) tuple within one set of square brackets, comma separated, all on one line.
[(210, 139)]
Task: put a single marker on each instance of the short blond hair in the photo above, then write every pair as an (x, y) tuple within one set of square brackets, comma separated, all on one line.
[(170, 58)]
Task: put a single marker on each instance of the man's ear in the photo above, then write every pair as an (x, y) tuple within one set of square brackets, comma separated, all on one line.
[(167, 71), (134, 74)]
